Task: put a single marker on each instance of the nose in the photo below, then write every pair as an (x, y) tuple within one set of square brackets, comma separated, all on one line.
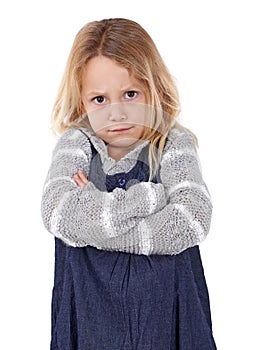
[(116, 112)]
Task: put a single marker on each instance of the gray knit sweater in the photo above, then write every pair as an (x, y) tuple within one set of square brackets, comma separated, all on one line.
[(147, 218)]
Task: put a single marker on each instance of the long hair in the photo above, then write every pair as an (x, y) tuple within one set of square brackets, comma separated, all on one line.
[(128, 44)]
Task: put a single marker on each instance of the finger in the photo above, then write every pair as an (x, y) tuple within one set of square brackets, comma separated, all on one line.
[(82, 176), (79, 181)]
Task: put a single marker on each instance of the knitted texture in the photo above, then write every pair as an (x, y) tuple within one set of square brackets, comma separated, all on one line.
[(147, 218)]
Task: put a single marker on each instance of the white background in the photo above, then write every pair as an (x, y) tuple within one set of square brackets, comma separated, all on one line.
[(207, 46)]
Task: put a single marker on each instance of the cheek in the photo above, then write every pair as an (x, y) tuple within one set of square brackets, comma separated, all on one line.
[(98, 119), (138, 113)]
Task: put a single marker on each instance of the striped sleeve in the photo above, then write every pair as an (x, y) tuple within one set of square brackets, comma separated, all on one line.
[(88, 216), (185, 219)]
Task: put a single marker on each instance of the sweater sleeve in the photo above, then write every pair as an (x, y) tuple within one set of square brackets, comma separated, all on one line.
[(89, 216), (185, 220)]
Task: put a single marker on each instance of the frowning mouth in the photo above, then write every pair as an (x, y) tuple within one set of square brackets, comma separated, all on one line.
[(121, 129)]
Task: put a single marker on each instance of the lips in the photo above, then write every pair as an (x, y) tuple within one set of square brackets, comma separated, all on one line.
[(121, 129)]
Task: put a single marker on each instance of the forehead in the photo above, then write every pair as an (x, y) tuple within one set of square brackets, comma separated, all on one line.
[(103, 71)]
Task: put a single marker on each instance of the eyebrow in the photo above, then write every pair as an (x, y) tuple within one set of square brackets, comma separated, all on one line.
[(95, 93)]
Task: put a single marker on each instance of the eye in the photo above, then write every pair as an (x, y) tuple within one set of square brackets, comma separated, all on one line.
[(131, 94), (99, 99)]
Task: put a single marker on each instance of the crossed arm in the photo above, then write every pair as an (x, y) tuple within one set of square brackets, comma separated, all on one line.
[(148, 218)]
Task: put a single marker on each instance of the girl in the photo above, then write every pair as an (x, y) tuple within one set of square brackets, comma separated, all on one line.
[(126, 202)]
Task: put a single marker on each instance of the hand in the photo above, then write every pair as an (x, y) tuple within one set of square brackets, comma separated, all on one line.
[(80, 179)]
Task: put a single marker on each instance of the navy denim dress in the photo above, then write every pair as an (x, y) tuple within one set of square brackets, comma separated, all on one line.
[(118, 301)]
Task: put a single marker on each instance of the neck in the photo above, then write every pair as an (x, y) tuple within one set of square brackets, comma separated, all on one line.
[(116, 153), (119, 152)]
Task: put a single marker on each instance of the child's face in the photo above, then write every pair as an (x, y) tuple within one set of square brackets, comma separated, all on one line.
[(114, 101)]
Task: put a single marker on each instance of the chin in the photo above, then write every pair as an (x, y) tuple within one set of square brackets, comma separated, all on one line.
[(123, 142)]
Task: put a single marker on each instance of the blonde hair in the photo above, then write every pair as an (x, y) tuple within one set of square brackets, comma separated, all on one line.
[(128, 44)]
